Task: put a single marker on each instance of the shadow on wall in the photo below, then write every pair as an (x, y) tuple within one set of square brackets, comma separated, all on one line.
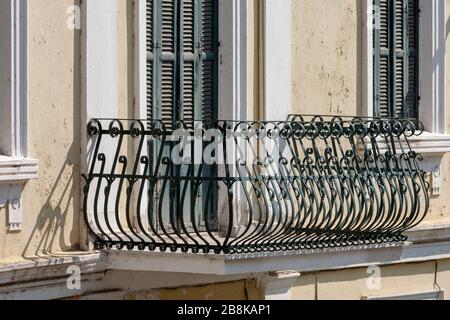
[(54, 221), (51, 222)]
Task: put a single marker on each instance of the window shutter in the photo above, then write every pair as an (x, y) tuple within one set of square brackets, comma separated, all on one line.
[(181, 85), (381, 60), (395, 59), (413, 58), (188, 76), (399, 78), (182, 60), (166, 110), (209, 59)]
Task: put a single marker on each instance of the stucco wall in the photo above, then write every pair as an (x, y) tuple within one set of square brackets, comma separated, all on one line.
[(325, 56), (50, 203), (357, 284)]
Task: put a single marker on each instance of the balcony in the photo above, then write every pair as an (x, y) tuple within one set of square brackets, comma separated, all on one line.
[(234, 187)]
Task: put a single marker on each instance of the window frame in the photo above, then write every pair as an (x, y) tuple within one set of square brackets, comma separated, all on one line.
[(14, 143), (15, 166)]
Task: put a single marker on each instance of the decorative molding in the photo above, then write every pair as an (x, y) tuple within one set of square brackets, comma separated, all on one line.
[(10, 197), (432, 147), (14, 170), (14, 173), (278, 285)]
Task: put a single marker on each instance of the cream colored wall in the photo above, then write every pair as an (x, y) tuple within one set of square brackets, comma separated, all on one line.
[(325, 56), (355, 284)]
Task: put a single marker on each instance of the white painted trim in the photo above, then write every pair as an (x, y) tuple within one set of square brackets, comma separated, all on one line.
[(428, 295), (100, 53), (277, 59), (19, 72), (432, 44), (368, 15), (14, 142), (278, 285), (304, 261), (15, 168), (233, 102), (99, 56)]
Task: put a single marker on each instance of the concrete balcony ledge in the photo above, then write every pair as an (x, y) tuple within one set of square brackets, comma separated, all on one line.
[(429, 242), (304, 261)]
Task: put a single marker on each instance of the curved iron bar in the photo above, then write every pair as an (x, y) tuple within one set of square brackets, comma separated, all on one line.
[(245, 187)]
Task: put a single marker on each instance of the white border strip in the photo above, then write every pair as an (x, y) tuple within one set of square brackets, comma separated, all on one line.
[(278, 59)]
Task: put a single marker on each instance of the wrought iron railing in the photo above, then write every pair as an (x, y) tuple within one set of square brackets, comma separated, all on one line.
[(243, 187)]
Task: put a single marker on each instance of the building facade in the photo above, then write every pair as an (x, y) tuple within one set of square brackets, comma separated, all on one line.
[(66, 63)]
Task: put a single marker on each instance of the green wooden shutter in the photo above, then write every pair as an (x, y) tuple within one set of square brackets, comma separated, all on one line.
[(395, 59), (167, 99), (182, 76), (182, 60), (413, 58), (382, 61), (209, 63)]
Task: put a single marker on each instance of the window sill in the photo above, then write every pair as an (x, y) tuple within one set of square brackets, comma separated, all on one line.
[(13, 169), (431, 144), (433, 147), (14, 173)]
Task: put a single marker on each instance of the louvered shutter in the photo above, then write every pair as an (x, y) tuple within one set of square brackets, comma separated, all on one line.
[(181, 85), (381, 60), (209, 59), (413, 58), (396, 59), (182, 60)]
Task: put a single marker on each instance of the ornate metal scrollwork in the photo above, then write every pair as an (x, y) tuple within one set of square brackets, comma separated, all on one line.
[(243, 187)]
